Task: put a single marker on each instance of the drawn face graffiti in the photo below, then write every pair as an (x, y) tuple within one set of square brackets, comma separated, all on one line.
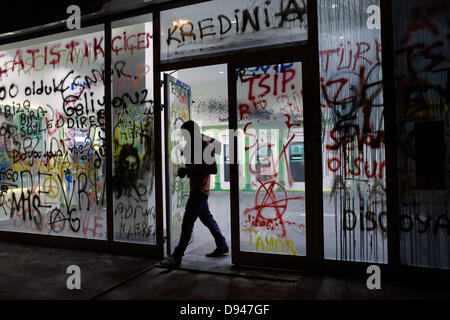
[(127, 171)]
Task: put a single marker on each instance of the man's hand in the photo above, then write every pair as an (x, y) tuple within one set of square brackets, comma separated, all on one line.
[(182, 172)]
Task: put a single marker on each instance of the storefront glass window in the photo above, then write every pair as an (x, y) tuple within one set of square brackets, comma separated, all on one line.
[(52, 135), (422, 64), (353, 140), (133, 130)]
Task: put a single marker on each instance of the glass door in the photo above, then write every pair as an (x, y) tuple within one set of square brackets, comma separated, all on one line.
[(269, 179), (177, 110)]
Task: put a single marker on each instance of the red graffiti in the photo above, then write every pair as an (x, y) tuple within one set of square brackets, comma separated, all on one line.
[(262, 85), (290, 124), (420, 51), (269, 209), (349, 57), (97, 225), (336, 99), (249, 135), (345, 138), (94, 47), (129, 81), (271, 165), (420, 25), (131, 42), (358, 167)]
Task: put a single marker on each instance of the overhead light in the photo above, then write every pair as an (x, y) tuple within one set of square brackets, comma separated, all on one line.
[(341, 37), (221, 72), (334, 6), (179, 22)]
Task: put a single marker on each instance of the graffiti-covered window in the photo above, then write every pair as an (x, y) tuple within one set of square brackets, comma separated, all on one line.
[(422, 64), (179, 97), (219, 26), (52, 135), (271, 196), (353, 140), (133, 130)]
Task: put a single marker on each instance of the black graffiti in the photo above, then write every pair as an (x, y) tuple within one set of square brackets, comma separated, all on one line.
[(134, 220), (120, 68), (351, 96), (70, 97), (22, 156), (79, 153), (78, 101), (350, 219), (71, 82), (138, 98), (85, 106), (31, 125), (8, 174), (58, 218), (40, 89), (18, 108), (10, 92), (127, 169), (78, 122), (84, 151), (27, 202), (293, 11), (135, 131), (9, 131), (31, 122), (422, 224), (28, 206)]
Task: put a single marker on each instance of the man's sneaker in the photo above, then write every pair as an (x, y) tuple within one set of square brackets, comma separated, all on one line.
[(218, 252), (170, 261)]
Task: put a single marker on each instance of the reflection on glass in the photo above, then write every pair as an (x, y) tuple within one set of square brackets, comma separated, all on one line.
[(423, 131)]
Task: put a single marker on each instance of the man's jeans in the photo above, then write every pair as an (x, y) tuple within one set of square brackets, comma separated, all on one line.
[(197, 207)]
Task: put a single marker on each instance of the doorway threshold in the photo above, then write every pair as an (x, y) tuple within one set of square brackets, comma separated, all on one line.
[(223, 266)]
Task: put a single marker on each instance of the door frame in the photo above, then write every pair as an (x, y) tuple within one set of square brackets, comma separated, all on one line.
[(167, 77), (312, 151)]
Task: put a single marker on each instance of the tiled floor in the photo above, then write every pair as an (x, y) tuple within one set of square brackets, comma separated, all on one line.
[(33, 272)]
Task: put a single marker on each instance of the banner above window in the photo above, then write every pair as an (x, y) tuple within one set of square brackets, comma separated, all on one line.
[(220, 26)]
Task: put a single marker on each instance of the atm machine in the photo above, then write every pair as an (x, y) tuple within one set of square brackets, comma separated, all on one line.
[(296, 160), (225, 167), (263, 161)]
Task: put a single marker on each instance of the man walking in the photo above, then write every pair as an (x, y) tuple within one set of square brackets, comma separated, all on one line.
[(197, 204)]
